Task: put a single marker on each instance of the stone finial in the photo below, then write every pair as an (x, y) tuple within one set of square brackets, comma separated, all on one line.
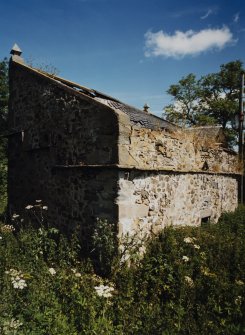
[(16, 54), (15, 50), (146, 108)]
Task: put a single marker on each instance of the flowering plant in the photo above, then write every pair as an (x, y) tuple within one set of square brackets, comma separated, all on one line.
[(17, 279), (104, 291)]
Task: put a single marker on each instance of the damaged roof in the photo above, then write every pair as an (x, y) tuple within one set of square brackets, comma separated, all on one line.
[(136, 116)]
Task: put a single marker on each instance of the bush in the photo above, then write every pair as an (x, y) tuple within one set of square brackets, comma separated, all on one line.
[(190, 281)]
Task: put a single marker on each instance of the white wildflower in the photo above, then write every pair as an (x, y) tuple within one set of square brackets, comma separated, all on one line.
[(38, 201), (19, 284), (29, 207), (104, 291), (188, 240), (185, 258), (12, 325), (15, 216), (189, 281), (52, 271), (78, 274), (7, 228), (45, 208), (196, 246), (1, 237), (17, 279)]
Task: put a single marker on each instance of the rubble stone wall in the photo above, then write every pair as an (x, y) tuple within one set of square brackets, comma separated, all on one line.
[(152, 200), (80, 196), (160, 149), (52, 129), (78, 129)]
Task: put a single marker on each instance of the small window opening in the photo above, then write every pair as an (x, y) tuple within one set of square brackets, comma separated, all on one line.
[(126, 175), (205, 220)]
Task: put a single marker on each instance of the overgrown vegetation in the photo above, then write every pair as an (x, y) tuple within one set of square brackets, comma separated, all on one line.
[(4, 95), (189, 281)]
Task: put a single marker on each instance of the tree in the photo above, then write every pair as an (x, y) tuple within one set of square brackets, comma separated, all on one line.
[(213, 99), (185, 108), (4, 96), (220, 93)]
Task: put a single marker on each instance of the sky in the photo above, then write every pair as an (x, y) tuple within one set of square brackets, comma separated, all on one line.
[(130, 49)]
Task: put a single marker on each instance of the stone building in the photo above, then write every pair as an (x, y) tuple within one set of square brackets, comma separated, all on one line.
[(88, 155)]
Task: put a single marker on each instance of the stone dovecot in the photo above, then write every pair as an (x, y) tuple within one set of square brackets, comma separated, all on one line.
[(88, 155)]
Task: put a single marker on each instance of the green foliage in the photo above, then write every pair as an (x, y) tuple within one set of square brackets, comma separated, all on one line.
[(4, 95), (190, 281), (3, 173), (198, 286), (186, 109), (212, 99), (104, 244)]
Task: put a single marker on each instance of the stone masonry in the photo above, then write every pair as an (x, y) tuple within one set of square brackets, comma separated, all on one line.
[(152, 200), (88, 156)]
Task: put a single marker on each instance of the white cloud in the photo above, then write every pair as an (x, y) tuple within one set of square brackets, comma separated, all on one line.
[(182, 44), (236, 17), (209, 12)]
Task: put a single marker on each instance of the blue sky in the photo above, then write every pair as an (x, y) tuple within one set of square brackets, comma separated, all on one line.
[(130, 49)]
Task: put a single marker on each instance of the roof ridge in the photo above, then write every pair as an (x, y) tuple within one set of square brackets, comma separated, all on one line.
[(136, 116)]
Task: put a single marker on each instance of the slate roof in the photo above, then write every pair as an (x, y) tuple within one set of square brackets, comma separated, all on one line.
[(137, 116)]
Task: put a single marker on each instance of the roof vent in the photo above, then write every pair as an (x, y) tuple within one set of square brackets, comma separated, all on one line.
[(146, 108)]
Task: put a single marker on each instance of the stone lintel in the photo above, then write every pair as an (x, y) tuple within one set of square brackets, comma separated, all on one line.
[(205, 213)]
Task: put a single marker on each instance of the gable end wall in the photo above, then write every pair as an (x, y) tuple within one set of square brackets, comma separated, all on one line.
[(55, 135)]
